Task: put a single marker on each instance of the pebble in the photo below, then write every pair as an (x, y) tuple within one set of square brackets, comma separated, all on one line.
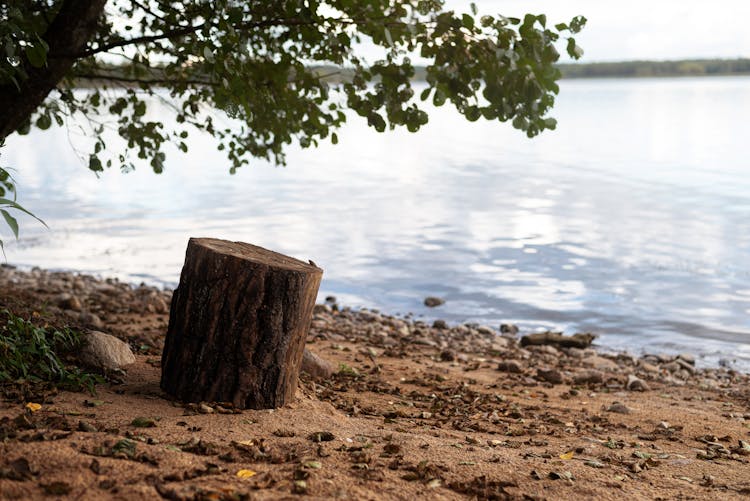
[(636, 384), (686, 357), (590, 376), (618, 408), (68, 301), (512, 366), (432, 301), (648, 367), (553, 376), (91, 319), (447, 355), (315, 366), (509, 329), (599, 362), (439, 324)]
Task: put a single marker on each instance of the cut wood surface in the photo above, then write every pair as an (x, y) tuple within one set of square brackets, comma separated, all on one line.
[(238, 323)]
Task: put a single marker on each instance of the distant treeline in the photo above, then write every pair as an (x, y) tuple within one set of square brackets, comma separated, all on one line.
[(626, 69), (694, 67)]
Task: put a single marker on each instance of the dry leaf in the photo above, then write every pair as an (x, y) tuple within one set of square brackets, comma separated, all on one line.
[(246, 473), (567, 455), (33, 407)]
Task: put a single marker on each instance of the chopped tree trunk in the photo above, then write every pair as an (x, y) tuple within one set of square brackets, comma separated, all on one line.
[(238, 324)]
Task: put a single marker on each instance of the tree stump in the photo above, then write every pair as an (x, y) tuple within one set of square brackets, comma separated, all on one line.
[(237, 325)]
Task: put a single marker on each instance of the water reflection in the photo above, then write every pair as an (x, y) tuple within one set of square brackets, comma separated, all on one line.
[(630, 220)]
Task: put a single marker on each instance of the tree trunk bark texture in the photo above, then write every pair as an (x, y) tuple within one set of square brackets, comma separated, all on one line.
[(238, 324)]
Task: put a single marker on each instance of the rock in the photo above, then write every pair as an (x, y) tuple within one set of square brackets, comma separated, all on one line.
[(685, 365), (513, 366), (499, 343), (315, 366), (619, 408), (556, 338), (321, 308), (648, 367), (553, 376), (105, 351), (636, 384), (159, 305), (509, 329), (331, 299), (432, 301), (600, 363), (68, 301), (485, 330), (663, 358), (671, 366), (439, 324), (91, 319), (590, 376), (686, 357), (447, 355)]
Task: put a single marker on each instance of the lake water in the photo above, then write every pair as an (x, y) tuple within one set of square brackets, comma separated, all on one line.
[(630, 221)]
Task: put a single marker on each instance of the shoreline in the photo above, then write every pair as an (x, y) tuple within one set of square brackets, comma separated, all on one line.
[(454, 411)]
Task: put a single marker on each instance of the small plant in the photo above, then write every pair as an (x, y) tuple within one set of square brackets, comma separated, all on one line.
[(347, 370), (32, 354)]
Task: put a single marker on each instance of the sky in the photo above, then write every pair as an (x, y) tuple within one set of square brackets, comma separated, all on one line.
[(642, 29)]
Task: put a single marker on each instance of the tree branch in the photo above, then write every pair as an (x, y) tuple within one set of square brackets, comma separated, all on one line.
[(70, 32)]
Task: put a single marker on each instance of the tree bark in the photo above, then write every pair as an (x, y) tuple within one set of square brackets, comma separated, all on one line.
[(237, 325), (67, 35)]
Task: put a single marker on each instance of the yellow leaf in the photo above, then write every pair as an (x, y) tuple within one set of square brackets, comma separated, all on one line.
[(33, 407), (567, 455), (246, 473)]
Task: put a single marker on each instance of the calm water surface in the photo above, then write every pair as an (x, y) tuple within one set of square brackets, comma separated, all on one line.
[(631, 220)]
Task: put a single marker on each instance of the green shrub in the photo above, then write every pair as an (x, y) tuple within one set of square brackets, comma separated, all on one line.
[(33, 354)]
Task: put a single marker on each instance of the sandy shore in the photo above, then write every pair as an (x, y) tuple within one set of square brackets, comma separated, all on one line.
[(413, 411)]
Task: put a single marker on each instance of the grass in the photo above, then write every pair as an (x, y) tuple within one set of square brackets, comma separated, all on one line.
[(30, 354)]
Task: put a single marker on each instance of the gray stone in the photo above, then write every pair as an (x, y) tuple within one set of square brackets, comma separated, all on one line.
[(105, 351), (636, 384), (619, 408), (439, 324), (687, 357), (510, 366), (590, 376), (315, 366), (485, 330), (91, 319), (509, 329), (553, 376), (68, 301), (648, 367), (601, 363), (433, 301)]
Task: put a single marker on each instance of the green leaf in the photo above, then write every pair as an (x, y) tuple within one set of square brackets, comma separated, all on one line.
[(473, 8), (388, 37), (574, 50), (208, 54), (12, 223), (37, 55), (44, 122), (467, 21), (334, 138), (95, 164)]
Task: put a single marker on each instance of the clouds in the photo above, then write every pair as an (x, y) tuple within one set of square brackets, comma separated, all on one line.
[(642, 29)]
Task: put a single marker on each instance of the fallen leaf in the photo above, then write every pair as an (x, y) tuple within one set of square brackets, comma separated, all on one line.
[(142, 422), (246, 473), (33, 407), (567, 455), (313, 465)]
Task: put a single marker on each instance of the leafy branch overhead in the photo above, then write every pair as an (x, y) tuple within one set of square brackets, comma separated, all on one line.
[(282, 72)]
